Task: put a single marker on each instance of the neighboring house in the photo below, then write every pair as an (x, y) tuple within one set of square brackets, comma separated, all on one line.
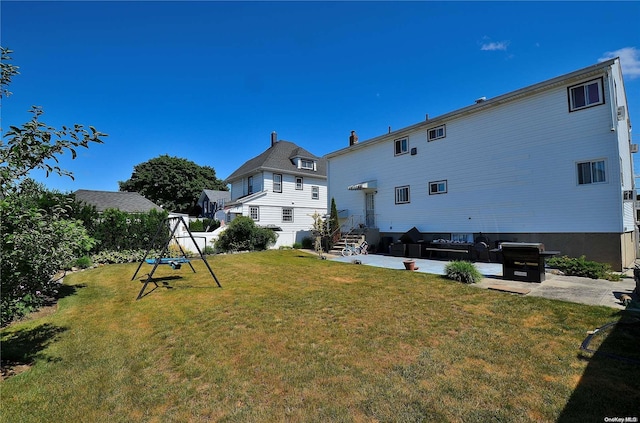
[(282, 189), (548, 163), (212, 203), (130, 202)]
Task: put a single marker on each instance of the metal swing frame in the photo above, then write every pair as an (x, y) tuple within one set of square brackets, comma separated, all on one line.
[(173, 222)]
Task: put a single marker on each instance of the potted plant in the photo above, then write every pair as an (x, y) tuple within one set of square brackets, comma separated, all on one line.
[(410, 265)]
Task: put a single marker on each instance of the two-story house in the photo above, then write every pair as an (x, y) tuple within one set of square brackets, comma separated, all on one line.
[(282, 188), (548, 163)]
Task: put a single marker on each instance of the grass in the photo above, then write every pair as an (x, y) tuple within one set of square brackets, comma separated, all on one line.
[(293, 338)]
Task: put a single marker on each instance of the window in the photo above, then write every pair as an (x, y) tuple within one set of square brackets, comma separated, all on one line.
[(593, 172), (254, 213), (402, 195), (585, 95), (250, 185), (401, 146), (287, 214), (436, 133), (437, 187), (277, 182), (299, 183), (315, 193), (306, 164)]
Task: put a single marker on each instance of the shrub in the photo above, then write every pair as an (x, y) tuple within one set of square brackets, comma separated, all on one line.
[(572, 266), (462, 271), (83, 262), (122, 256), (35, 244), (297, 245), (116, 230), (307, 243), (196, 226), (242, 234)]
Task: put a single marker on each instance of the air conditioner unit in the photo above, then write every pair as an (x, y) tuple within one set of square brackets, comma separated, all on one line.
[(633, 148), (621, 113)]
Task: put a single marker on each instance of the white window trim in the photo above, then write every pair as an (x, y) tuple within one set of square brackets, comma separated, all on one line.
[(570, 91), (437, 184), (279, 184), (591, 162), (283, 216), (315, 193), (307, 164), (250, 185), (436, 137), (299, 186), (402, 188), (257, 209), (402, 151)]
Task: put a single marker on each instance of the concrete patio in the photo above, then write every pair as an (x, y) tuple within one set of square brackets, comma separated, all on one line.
[(557, 287)]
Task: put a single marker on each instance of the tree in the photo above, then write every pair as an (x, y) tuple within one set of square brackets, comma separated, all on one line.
[(37, 238), (172, 182)]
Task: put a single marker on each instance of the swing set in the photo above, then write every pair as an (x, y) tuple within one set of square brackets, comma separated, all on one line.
[(171, 222)]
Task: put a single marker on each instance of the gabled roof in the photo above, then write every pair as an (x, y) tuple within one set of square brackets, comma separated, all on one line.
[(279, 158), (214, 195), (130, 202)]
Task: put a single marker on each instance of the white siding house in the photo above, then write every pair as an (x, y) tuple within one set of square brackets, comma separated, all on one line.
[(548, 163), (282, 189)]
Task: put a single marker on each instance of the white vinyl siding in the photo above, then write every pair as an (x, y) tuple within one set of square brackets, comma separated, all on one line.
[(513, 165)]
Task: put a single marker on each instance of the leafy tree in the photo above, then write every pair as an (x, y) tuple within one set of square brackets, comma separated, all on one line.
[(172, 182), (243, 234), (35, 244), (37, 238), (334, 224)]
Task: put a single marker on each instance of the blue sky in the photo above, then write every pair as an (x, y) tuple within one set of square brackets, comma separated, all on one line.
[(210, 81)]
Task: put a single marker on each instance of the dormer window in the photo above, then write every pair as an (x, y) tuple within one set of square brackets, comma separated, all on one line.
[(307, 164)]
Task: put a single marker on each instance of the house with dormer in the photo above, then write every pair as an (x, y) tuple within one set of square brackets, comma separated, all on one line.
[(281, 189), (550, 163)]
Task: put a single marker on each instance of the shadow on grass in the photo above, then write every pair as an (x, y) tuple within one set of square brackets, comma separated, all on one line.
[(610, 385), (25, 345)]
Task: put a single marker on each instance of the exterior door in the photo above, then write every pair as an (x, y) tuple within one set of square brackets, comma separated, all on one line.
[(370, 216)]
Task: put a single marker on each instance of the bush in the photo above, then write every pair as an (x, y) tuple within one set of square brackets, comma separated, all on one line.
[(116, 230), (122, 256), (83, 262), (307, 243), (35, 244), (196, 226), (242, 234), (462, 271), (582, 267)]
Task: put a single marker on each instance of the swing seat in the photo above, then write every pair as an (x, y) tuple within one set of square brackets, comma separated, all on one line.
[(174, 262)]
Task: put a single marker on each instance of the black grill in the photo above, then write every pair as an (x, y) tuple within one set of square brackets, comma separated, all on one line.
[(523, 261)]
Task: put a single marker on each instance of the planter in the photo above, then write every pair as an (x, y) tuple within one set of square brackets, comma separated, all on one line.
[(409, 265)]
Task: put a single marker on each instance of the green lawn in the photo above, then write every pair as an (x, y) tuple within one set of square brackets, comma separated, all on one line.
[(293, 338)]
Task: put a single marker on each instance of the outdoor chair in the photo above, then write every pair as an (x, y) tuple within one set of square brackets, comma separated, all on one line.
[(481, 250)]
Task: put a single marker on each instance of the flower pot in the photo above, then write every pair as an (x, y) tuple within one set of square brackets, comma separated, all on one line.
[(409, 264)]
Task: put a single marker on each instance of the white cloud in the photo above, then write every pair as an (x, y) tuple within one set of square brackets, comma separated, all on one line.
[(492, 46), (629, 59)]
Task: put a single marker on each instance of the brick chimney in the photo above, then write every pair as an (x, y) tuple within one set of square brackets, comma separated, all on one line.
[(353, 139), (274, 138)]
